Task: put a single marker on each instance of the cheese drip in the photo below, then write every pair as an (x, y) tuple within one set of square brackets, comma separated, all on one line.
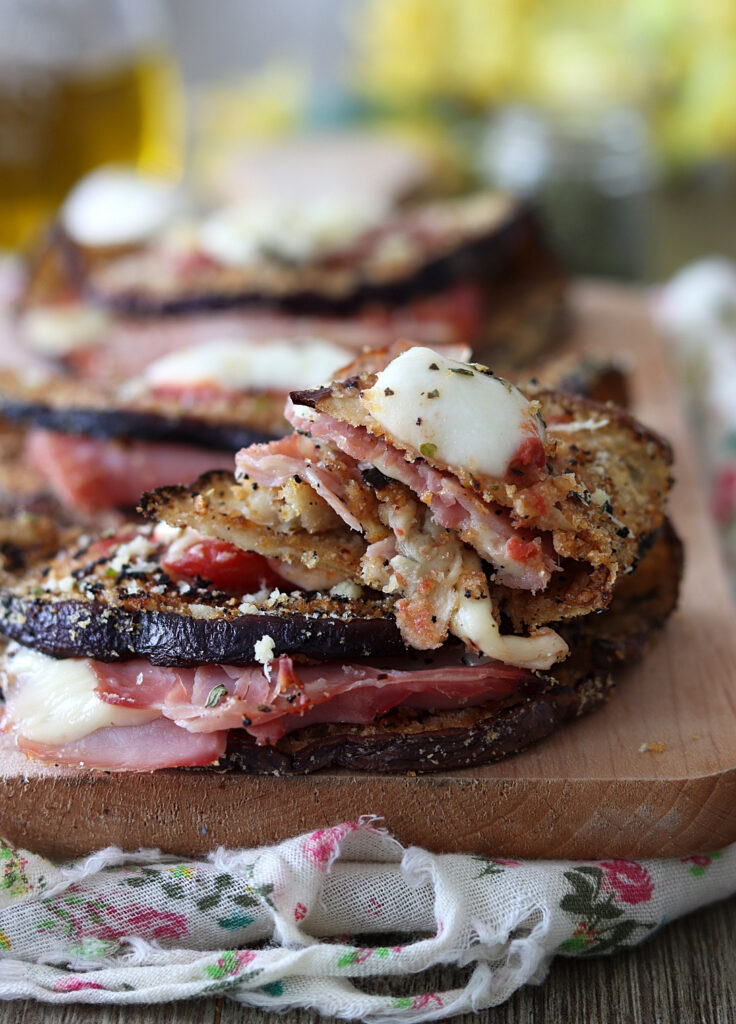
[(54, 701), (451, 412), (474, 623)]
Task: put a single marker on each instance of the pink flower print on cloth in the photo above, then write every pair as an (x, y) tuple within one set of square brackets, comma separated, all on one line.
[(322, 846), (700, 862), (629, 880)]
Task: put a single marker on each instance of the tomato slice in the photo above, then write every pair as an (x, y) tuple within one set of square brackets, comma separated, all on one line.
[(225, 566)]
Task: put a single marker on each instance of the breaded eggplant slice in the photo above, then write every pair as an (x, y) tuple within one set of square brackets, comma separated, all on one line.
[(110, 599), (604, 500), (442, 243), (290, 522), (412, 740), (69, 406), (597, 378), (600, 499)]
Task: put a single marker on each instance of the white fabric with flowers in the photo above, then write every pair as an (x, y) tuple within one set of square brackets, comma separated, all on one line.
[(314, 921)]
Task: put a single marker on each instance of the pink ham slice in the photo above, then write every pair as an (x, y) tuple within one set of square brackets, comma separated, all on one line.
[(138, 748), (93, 474), (273, 463), (190, 734), (292, 696), (453, 506)]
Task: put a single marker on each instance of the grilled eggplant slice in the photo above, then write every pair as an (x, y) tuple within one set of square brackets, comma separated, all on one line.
[(407, 740), (101, 602), (479, 237), (67, 406)]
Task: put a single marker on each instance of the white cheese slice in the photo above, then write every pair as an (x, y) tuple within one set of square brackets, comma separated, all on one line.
[(241, 365), (57, 330), (50, 700), (452, 412), (242, 234)]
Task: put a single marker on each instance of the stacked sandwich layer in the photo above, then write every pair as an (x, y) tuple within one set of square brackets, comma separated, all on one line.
[(433, 570), (145, 365)]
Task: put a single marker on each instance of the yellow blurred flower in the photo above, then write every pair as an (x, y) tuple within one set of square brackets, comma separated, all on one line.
[(673, 59), (414, 49)]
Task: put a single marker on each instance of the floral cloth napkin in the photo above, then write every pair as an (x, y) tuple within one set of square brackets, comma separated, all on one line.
[(310, 922)]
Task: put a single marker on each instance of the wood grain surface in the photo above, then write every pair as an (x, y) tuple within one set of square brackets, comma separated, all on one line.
[(585, 792), (686, 974)]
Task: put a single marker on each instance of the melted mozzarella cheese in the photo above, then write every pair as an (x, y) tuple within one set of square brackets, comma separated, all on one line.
[(296, 232), (50, 700), (474, 622), (452, 412), (240, 365), (61, 329)]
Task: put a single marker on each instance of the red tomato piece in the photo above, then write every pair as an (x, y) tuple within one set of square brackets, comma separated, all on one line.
[(225, 566)]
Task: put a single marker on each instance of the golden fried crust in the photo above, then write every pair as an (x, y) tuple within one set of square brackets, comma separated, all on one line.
[(607, 485), (597, 378), (291, 523)]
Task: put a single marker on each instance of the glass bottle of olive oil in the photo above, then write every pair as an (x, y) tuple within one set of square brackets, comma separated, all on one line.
[(82, 83)]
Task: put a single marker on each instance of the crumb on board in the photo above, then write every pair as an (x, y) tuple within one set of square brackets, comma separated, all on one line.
[(652, 748), (697, 736)]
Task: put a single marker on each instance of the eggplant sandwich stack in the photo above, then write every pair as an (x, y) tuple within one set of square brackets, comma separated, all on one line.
[(435, 569), (149, 367)]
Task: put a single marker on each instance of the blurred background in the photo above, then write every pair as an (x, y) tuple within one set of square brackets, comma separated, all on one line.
[(618, 117)]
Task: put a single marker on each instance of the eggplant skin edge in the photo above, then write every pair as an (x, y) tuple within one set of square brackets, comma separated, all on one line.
[(491, 738), (482, 257), (88, 629), (131, 424)]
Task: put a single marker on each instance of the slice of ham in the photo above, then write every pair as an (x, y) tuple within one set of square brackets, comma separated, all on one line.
[(273, 463), (517, 555), (138, 748), (447, 319), (270, 704), (92, 474)]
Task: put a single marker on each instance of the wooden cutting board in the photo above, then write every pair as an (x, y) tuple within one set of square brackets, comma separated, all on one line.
[(586, 792)]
